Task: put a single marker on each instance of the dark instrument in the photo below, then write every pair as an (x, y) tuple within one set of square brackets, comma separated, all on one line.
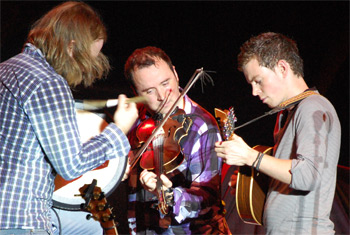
[(251, 187), (163, 154), (109, 174), (172, 133), (96, 204)]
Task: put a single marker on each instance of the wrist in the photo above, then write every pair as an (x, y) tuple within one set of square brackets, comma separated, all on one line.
[(253, 157), (257, 161)]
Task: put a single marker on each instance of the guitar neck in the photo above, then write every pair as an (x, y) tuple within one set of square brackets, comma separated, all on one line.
[(111, 230), (96, 204)]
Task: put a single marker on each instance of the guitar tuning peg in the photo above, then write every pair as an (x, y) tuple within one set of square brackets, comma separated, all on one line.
[(96, 196), (107, 217), (90, 207), (99, 196), (88, 217)]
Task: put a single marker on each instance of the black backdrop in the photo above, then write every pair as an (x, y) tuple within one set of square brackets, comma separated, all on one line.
[(208, 34)]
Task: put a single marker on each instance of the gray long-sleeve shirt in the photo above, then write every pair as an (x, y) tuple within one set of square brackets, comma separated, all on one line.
[(311, 138)]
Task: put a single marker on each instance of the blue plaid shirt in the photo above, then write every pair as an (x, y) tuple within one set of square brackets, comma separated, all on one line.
[(38, 137), (196, 184)]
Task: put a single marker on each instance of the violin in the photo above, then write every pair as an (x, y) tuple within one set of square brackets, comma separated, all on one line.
[(163, 154), (165, 143)]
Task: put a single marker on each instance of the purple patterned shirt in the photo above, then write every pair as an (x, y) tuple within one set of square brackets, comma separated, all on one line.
[(196, 184)]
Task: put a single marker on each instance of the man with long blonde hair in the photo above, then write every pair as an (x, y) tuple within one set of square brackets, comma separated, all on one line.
[(39, 134)]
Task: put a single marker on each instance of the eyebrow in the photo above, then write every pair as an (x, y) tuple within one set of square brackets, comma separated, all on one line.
[(253, 79), (146, 89)]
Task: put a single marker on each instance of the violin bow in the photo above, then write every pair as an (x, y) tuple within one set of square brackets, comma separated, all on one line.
[(197, 74)]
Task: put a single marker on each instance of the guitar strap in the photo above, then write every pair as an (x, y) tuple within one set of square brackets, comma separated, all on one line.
[(283, 114), (296, 99), (284, 105)]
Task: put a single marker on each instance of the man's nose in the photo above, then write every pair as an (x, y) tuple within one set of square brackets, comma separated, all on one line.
[(255, 90), (161, 93)]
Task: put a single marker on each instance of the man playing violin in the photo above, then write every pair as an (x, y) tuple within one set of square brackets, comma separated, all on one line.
[(192, 189)]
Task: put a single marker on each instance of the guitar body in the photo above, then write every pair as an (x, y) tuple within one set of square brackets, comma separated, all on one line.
[(251, 191)]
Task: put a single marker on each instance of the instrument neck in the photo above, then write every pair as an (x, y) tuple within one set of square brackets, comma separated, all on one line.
[(110, 230), (158, 154)]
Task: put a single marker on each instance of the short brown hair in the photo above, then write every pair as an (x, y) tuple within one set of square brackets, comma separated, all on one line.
[(144, 57), (53, 33), (268, 48)]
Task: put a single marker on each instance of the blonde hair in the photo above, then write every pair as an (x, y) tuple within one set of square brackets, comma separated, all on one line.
[(72, 25)]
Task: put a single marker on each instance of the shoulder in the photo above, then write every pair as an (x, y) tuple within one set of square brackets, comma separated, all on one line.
[(315, 102), (30, 74), (26, 64), (316, 109), (199, 115)]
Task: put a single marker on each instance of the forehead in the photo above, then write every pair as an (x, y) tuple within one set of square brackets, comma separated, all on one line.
[(251, 69), (153, 74)]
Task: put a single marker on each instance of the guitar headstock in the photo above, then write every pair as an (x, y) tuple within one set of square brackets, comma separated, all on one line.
[(226, 120), (96, 204)]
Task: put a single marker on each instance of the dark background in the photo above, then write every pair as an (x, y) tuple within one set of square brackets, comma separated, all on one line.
[(208, 34)]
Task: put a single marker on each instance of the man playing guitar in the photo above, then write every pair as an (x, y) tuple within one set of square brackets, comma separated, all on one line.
[(307, 145)]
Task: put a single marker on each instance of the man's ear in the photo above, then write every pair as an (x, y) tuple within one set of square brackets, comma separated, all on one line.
[(283, 68), (175, 73)]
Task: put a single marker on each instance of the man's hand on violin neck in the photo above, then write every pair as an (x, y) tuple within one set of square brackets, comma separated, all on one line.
[(148, 180)]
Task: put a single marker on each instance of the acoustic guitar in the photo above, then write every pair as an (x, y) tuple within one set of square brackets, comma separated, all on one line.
[(96, 204), (251, 186)]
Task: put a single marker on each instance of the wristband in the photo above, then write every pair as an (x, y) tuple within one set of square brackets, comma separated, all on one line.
[(258, 164), (256, 159)]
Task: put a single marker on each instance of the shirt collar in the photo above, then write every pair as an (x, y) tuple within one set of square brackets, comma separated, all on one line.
[(31, 49)]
